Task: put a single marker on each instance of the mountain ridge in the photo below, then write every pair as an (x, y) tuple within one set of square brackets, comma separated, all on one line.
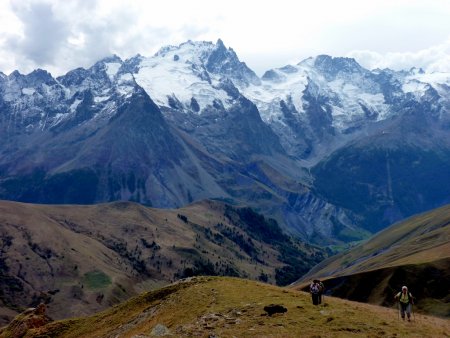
[(298, 120), (79, 259), (203, 307)]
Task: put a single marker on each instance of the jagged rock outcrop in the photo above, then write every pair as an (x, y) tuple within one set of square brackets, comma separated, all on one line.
[(31, 318)]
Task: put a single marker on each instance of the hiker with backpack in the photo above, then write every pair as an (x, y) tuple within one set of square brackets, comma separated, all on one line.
[(406, 300), (314, 289)]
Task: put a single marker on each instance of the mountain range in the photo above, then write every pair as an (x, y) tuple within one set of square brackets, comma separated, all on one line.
[(330, 149)]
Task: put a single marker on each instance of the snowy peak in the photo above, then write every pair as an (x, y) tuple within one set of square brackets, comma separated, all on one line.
[(195, 76), (15, 75), (108, 66), (103, 63), (36, 78), (81, 96), (225, 62), (41, 76), (195, 72), (74, 77), (189, 51), (416, 71), (332, 66), (321, 93), (104, 78), (215, 58), (104, 70), (26, 90), (111, 58)]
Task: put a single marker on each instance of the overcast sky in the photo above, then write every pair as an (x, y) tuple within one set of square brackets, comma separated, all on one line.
[(59, 35)]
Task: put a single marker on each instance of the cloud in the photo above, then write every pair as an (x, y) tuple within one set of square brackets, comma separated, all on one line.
[(432, 59), (62, 35), (43, 33)]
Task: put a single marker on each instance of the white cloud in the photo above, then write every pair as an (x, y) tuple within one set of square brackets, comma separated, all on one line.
[(43, 33), (61, 35), (432, 59)]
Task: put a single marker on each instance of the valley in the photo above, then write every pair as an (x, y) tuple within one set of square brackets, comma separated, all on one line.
[(81, 259)]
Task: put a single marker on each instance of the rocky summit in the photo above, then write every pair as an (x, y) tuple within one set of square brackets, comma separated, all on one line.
[(330, 149)]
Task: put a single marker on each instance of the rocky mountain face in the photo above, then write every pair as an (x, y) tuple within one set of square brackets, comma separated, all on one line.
[(327, 147)]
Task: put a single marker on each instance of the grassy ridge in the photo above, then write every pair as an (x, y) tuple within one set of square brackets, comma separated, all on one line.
[(227, 307)]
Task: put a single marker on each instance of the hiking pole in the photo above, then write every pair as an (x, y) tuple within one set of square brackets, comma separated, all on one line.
[(412, 310), (398, 312)]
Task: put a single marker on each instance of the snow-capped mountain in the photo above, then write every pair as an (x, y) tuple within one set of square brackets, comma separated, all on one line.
[(325, 97), (193, 74), (194, 122)]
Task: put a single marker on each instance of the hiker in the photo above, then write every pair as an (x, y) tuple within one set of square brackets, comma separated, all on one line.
[(405, 300), (321, 291), (314, 289)]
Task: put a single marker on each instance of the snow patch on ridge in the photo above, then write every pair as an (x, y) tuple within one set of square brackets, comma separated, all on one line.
[(419, 83), (75, 104), (416, 87), (352, 98), (99, 99), (111, 69), (28, 91), (432, 78), (269, 94)]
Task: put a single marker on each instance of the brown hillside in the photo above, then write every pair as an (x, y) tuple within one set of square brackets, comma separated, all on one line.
[(415, 252), (81, 259), (230, 307)]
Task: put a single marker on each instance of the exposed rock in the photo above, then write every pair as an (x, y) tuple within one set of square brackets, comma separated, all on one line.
[(274, 308), (160, 330), (31, 318)]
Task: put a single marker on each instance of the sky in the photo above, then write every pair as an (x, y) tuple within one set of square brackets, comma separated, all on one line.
[(60, 35)]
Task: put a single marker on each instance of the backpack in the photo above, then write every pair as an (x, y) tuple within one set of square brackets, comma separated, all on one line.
[(408, 297), (315, 288), (322, 287)]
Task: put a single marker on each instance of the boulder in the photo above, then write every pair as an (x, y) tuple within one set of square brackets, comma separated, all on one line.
[(274, 308)]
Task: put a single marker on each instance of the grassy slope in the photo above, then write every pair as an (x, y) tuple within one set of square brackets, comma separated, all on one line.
[(415, 252), (420, 239), (230, 307), (83, 259)]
